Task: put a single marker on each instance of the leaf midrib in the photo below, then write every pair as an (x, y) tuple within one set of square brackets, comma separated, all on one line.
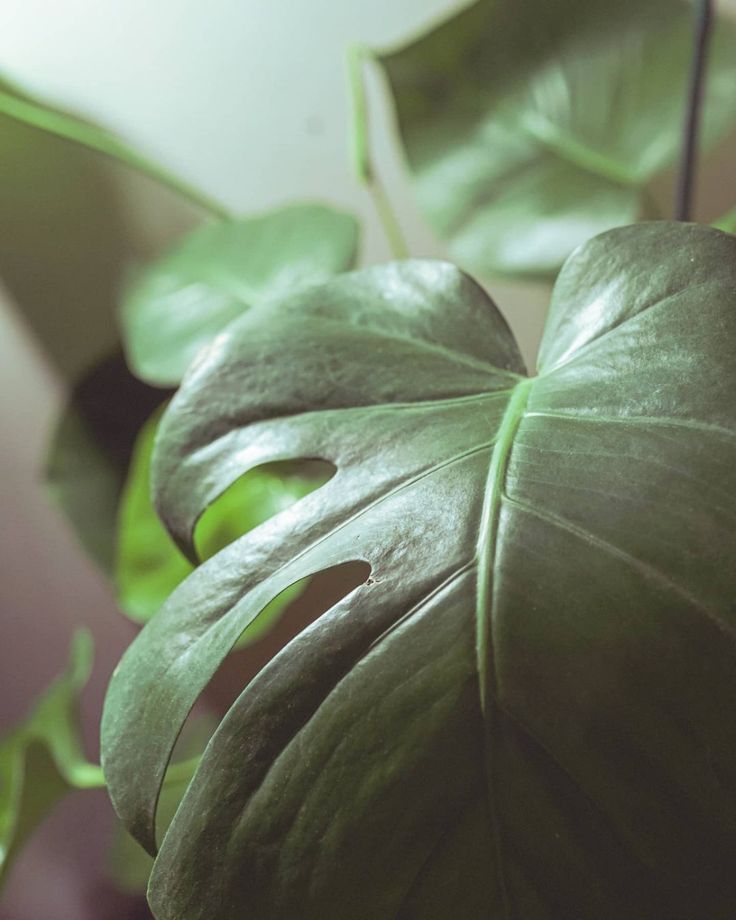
[(486, 553), (486, 547)]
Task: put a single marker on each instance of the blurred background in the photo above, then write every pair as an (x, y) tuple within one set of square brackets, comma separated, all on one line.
[(249, 101)]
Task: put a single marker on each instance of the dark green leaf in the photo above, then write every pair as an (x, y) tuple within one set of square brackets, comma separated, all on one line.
[(150, 565), (186, 298), (531, 125), (65, 244), (527, 710), (90, 450), (42, 759)]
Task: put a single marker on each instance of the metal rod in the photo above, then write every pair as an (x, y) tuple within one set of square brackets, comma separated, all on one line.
[(691, 127)]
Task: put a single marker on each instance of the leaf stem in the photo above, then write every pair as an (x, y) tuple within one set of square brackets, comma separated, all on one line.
[(86, 775), (39, 116), (688, 161), (361, 156)]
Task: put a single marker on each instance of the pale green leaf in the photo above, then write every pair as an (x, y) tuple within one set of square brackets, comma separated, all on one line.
[(184, 299), (42, 759), (531, 125)]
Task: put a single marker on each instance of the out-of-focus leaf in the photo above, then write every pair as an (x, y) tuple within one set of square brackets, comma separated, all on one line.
[(727, 223), (90, 451), (65, 244), (150, 565), (531, 125), (42, 759), (181, 301), (527, 709), (19, 105)]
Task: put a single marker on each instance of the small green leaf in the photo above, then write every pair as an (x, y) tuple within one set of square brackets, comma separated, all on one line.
[(183, 300), (527, 709), (150, 565), (43, 759), (19, 105), (727, 223), (531, 125)]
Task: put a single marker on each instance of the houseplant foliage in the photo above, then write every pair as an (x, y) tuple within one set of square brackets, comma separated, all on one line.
[(530, 126), (42, 759), (149, 565), (476, 730), (185, 298), (90, 450), (97, 467), (526, 709)]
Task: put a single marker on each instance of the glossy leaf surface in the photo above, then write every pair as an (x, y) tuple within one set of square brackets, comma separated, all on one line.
[(527, 710), (183, 300), (531, 126), (149, 564), (42, 759)]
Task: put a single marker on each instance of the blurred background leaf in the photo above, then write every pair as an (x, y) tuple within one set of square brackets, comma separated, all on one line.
[(530, 126), (90, 451), (727, 222), (178, 305), (18, 105), (42, 759), (65, 243), (182, 300)]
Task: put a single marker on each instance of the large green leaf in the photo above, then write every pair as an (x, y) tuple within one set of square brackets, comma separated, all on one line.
[(531, 125), (149, 565), (526, 711), (183, 300), (42, 759)]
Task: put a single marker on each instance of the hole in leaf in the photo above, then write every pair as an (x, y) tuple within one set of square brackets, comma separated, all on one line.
[(310, 598), (149, 565), (315, 595), (255, 497)]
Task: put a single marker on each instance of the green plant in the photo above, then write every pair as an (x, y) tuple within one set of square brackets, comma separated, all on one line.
[(525, 709)]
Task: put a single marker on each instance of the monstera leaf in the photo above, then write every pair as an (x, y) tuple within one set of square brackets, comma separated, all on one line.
[(527, 708), (183, 300), (531, 125), (149, 565), (42, 759)]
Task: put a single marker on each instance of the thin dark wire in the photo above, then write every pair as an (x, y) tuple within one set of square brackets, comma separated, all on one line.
[(688, 161)]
